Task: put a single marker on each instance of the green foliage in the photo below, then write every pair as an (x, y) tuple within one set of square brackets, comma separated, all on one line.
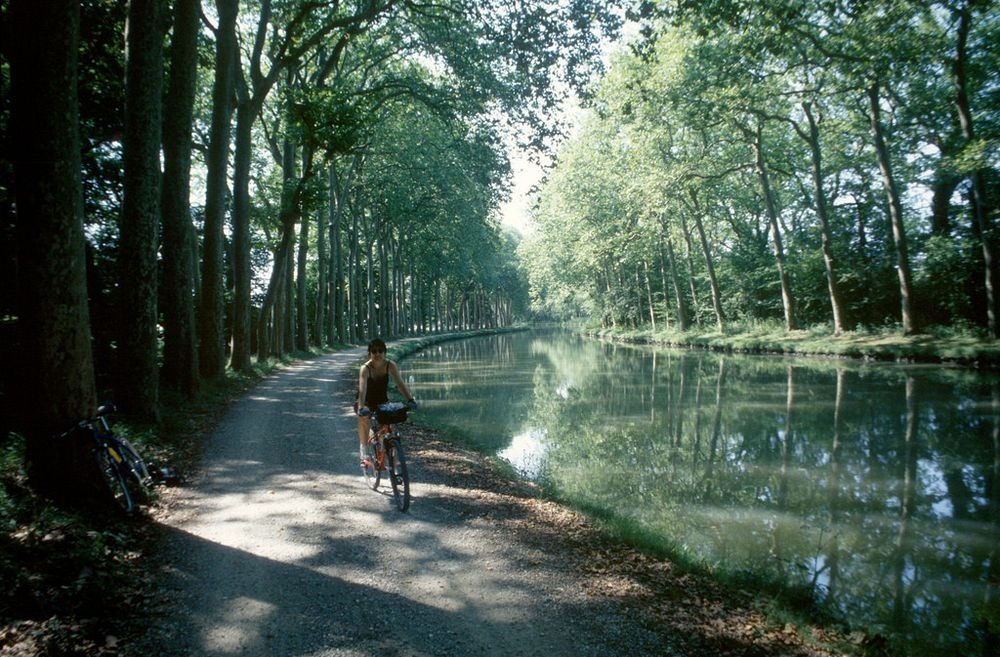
[(949, 282), (332, 120), (101, 91), (669, 144)]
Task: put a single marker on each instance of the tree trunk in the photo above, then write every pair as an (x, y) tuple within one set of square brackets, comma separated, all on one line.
[(271, 312), (353, 267), (335, 330), (836, 301), (137, 366), (370, 329), (978, 191), (322, 282), (302, 318), (649, 295), (437, 306), (787, 300), (246, 113), (448, 311), (895, 212), (288, 294), (211, 343), (337, 285), (683, 320), (271, 326), (709, 266), (339, 189), (664, 285), (384, 292), (942, 189), (180, 348), (56, 371), (689, 259), (403, 309), (397, 290)]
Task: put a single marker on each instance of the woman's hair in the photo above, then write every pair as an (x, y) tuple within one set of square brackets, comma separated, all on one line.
[(376, 343)]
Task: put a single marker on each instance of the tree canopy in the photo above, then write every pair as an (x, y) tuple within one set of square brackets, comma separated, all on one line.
[(263, 176), (823, 163)]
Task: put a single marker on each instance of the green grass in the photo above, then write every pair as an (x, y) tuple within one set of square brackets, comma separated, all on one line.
[(953, 345), (403, 347)]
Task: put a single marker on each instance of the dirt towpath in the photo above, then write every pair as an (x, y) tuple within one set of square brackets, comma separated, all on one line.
[(276, 547)]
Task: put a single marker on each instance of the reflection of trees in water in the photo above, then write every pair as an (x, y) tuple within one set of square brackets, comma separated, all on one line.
[(828, 564), (902, 600), (757, 476), (991, 601), (874, 487)]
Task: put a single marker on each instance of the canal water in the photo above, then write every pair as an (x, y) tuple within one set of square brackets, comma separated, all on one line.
[(875, 488)]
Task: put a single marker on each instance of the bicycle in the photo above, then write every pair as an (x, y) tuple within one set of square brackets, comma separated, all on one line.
[(119, 465), (384, 453)]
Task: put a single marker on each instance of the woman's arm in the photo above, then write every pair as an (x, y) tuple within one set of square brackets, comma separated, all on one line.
[(399, 381)]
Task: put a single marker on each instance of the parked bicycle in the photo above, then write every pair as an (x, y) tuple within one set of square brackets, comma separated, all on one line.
[(384, 453), (119, 465)]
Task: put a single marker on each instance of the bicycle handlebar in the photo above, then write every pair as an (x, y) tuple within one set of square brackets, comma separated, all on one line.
[(411, 405), (102, 411)]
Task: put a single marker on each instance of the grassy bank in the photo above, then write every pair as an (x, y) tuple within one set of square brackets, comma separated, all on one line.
[(404, 347), (949, 346)]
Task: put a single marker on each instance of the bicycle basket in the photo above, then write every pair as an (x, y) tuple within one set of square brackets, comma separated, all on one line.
[(391, 413)]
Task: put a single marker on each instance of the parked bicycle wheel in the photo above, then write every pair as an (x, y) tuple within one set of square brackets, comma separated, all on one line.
[(369, 466), (398, 474), (137, 475), (110, 474)]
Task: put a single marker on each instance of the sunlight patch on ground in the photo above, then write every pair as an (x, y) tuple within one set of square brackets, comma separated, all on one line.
[(270, 521)]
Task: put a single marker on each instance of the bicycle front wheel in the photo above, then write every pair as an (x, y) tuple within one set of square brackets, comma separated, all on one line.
[(110, 474), (137, 478), (398, 474)]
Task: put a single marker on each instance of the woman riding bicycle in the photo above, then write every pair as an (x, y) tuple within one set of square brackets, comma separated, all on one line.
[(373, 388)]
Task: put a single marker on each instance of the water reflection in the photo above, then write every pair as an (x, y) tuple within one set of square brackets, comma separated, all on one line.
[(874, 487), (526, 453)]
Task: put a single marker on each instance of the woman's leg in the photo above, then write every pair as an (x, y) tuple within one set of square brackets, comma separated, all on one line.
[(364, 424)]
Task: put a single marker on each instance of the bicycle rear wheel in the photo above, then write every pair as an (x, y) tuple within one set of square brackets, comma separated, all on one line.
[(110, 474), (398, 474), (369, 466)]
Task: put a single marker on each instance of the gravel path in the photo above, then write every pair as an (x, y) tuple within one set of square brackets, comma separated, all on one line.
[(278, 548)]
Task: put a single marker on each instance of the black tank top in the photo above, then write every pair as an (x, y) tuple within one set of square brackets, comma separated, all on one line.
[(378, 387)]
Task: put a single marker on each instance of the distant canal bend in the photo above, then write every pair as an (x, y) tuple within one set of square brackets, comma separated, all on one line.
[(875, 487)]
